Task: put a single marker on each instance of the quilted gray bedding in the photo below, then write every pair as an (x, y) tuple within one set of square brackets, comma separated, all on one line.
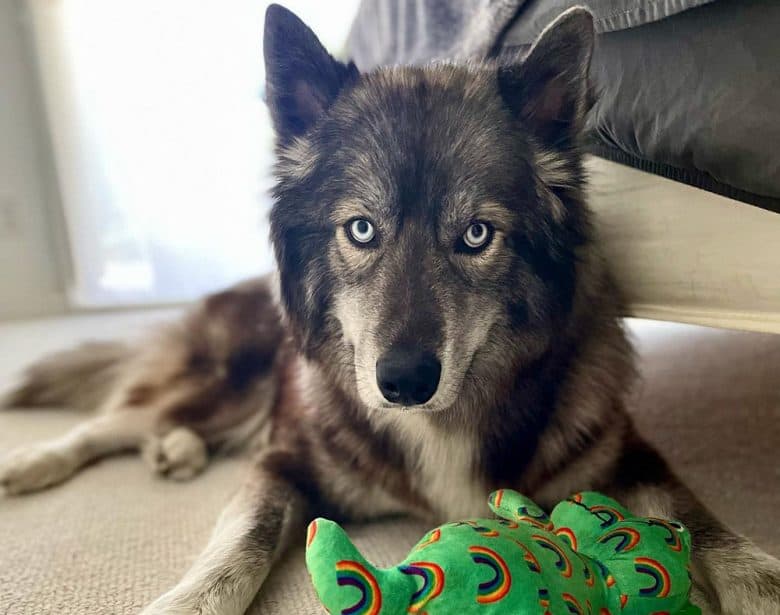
[(689, 89)]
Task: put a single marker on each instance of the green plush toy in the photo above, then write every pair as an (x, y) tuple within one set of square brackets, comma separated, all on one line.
[(590, 556)]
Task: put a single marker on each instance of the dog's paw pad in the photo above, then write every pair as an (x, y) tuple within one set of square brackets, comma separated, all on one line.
[(31, 469), (179, 455)]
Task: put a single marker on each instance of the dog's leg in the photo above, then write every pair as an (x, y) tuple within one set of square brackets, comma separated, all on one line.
[(745, 579), (251, 532), (47, 463), (731, 575)]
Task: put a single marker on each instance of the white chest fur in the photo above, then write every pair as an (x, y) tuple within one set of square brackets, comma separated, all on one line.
[(443, 467)]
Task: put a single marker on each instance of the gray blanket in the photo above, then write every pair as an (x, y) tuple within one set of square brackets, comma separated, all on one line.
[(412, 31)]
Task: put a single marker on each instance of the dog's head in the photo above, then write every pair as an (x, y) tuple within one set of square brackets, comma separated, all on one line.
[(427, 220)]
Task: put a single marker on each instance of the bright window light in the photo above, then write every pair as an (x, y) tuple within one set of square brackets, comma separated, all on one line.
[(161, 140)]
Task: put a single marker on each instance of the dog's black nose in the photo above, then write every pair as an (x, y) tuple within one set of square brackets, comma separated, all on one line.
[(408, 376)]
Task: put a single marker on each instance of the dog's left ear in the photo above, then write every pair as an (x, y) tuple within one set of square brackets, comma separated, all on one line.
[(548, 90), (302, 78)]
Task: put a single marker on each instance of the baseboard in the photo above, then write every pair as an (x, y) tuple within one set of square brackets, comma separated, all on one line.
[(24, 306)]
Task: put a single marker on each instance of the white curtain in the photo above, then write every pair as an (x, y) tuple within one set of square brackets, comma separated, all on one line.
[(162, 143)]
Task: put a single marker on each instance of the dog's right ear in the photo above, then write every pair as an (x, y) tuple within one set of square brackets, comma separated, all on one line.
[(302, 79)]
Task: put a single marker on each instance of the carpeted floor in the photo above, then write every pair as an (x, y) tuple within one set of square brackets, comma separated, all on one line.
[(114, 537)]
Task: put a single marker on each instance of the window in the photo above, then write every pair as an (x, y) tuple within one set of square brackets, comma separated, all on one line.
[(162, 142)]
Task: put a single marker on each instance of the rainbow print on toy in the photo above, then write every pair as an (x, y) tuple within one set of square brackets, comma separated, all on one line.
[(590, 556)]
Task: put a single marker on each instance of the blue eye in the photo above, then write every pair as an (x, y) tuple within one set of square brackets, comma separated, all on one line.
[(361, 231), (477, 235)]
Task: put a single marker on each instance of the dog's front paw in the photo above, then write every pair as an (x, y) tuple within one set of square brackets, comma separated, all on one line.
[(181, 600), (180, 454), (161, 606), (35, 468)]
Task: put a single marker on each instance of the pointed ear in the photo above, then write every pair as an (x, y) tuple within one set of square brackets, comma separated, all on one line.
[(548, 90), (302, 79)]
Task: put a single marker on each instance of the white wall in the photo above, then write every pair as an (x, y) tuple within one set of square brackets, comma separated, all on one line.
[(30, 270)]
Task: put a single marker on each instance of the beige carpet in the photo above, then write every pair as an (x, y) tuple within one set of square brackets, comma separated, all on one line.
[(114, 537)]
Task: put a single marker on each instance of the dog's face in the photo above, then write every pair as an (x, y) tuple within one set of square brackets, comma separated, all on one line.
[(426, 219)]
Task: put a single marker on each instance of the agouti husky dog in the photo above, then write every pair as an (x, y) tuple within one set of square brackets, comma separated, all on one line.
[(442, 325)]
